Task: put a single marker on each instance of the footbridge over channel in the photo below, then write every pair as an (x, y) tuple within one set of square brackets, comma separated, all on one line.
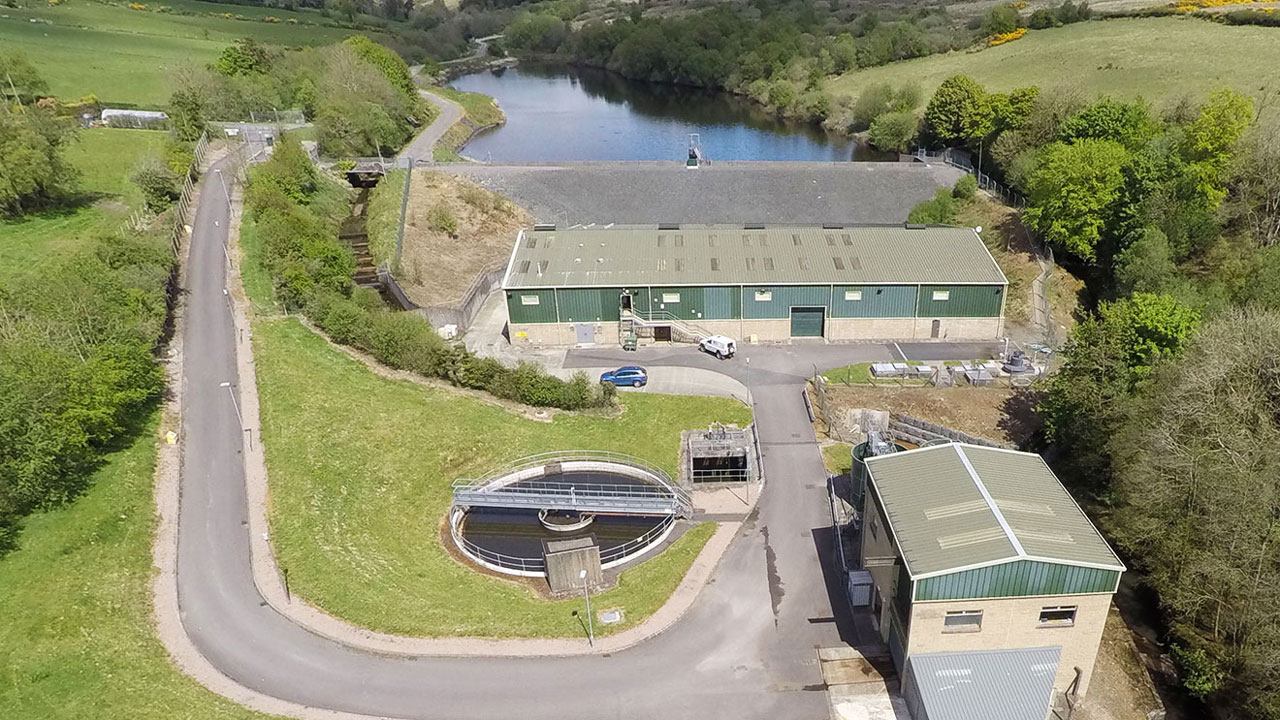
[(600, 483)]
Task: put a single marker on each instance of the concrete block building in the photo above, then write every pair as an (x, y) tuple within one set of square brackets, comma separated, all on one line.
[(674, 282), (976, 550)]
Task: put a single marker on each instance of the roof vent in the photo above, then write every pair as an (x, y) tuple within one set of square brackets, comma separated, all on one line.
[(832, 226), (544, 226), (753, 227), (668, 226), (916, 226)]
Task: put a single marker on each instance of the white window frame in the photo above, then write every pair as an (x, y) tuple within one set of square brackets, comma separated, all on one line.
[(670, 298), (941, 295), (963, 627), (1042, 623), (764, 296), (530, 299), (852, 295)]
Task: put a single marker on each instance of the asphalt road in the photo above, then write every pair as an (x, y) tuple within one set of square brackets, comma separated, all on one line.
[(420, 147), (746, 649)]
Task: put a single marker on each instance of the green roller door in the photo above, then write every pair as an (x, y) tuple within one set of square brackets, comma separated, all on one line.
[(807, 322)]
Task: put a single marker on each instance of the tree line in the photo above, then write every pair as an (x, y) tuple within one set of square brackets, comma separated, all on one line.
[(297, 211), (359, 94), (1165, 414)]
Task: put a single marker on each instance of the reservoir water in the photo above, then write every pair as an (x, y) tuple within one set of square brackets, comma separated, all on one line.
[(561, 113)]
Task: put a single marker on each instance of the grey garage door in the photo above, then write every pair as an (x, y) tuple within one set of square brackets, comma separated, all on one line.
[(807, 322)]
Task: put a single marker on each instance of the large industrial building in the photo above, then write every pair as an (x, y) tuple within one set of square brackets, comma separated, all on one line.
[(764, 283), (981, 562)]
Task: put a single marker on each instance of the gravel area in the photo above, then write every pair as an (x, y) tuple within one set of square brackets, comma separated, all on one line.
[(727, 192)]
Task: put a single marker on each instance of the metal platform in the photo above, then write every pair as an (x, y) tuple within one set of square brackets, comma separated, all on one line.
[(532, 483)]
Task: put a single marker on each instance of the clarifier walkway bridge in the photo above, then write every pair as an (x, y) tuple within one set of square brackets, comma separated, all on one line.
[(559, 481)]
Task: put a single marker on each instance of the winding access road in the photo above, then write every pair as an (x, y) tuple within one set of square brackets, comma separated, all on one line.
[(745, 649)]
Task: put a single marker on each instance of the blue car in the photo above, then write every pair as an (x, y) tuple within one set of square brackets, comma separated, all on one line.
[(629, 376)]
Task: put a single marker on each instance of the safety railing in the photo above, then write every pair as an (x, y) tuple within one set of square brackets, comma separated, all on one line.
[(622, 553), (513, 485), (496, 560), (651, 317)]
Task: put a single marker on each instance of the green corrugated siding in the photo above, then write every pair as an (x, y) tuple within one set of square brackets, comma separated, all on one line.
[(964, 301), (689, 307), (722, 303), (543, 312), (878, 301), (588, 304), (1017, 579), (784, 298)]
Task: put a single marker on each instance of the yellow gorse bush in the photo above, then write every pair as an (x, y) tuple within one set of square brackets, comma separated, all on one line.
[(1189, 6), (1003, 38)]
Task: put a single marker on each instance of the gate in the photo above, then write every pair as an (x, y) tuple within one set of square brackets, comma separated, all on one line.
[(807, 322)]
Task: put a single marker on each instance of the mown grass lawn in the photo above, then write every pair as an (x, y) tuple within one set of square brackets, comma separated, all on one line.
[(105, 157), (479, 108), (1157, 58), (360, 472), (128, 56), (76, 638)]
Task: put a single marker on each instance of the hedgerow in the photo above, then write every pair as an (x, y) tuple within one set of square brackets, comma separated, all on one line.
[(296, 212)]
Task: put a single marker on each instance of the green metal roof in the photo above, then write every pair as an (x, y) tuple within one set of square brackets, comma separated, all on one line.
[(656, 255), (955, 507)]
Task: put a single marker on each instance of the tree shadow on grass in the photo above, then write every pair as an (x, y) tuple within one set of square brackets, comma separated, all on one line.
[(62, 206)]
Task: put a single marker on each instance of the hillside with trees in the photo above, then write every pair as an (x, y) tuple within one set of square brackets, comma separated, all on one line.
[(1165, 411)]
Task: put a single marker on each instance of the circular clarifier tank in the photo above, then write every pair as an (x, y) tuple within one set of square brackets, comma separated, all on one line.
[(627, 505)]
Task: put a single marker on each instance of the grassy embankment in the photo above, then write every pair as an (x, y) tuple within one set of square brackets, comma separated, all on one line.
[(128, 56), (1159, 59), (76, 638), (361, 468), (478, 111), (104, 157)]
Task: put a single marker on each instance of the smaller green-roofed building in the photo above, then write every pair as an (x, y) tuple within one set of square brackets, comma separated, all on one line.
[(980, 548), (772, 283)]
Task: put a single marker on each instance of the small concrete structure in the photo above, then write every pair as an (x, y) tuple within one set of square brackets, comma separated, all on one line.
[(566, 559), (718, 455)]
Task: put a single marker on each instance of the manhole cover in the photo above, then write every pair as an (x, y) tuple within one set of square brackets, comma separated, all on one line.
[(611, 616)]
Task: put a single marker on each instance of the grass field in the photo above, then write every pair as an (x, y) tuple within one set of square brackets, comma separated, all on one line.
[(1156, 58), (361, 468), (104, 157), (127, 56), (76, 639)]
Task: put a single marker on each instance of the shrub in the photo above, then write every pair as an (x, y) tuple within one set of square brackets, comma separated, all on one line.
[(1201, 675), (1001, 20), (966, 187), (1002, 38), (941, 210), (441, 220), (894, 131), (158, 183)]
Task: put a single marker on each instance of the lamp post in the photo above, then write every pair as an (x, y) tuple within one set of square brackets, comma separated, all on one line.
[(586, 593), (235, 404), (227, 195)]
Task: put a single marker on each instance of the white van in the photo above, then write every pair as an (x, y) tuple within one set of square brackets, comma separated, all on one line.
[(718, 345)]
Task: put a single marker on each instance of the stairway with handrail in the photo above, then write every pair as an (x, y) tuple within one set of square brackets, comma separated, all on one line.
[(681, 330)]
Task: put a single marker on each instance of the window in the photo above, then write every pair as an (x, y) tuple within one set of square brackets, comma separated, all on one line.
[(764, 295), (941, 295), (873, 525), (671, 297), (1061, 616), (960, 621), (530, 300), (852, 295)]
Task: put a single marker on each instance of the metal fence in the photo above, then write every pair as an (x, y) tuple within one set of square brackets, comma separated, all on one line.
[(964, 161)]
